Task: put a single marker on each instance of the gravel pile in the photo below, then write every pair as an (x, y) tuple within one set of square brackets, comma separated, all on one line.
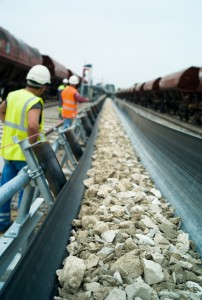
[(127, 242)]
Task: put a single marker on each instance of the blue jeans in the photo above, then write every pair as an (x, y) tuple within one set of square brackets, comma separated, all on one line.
[(10, 170), (67, 123)]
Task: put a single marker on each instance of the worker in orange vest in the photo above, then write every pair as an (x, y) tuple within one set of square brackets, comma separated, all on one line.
[(70, 99)]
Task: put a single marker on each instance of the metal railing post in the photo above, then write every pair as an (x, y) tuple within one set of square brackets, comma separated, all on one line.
[(64, 143), (82, 130), (35, 171), (25, 204)]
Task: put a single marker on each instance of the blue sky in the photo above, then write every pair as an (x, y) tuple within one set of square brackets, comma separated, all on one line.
[(127, 41)]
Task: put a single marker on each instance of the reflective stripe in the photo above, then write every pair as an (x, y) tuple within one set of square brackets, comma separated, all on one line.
[(13, 125), (5, 214), (69, 101), (69, 108), (23, 115)]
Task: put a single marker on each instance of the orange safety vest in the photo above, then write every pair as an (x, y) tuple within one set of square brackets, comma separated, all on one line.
[(69, 103)]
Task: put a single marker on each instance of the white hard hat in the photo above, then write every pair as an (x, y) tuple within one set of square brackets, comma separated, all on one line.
[(65, 80), (74, 79), (38, 75)]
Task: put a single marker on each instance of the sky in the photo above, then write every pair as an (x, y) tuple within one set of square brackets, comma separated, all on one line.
[(126, 41)]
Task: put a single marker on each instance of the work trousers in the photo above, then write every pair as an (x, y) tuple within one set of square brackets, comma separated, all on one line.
[(67, 122), (10, 170)]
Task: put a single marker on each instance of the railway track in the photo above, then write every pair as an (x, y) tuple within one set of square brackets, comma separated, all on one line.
[(50, 259)]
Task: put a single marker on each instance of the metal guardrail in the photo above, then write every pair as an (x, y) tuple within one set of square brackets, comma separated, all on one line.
[(42, 179)]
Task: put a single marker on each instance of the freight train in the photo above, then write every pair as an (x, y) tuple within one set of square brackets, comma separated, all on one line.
[(17, 57), (178, 94)]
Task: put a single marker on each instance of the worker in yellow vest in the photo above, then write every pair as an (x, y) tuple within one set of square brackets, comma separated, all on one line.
[(60, 89), (70, 98), (22, 115)]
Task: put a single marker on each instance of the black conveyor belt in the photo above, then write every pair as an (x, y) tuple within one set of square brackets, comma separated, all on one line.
[(174, 161)]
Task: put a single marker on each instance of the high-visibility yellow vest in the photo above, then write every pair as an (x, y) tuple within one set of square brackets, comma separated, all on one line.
[(16, 123), (69, 104), (61, 87)]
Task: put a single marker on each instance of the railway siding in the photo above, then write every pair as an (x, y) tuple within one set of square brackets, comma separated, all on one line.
[(127, 242)]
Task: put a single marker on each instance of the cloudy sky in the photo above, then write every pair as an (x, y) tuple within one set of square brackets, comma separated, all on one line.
[(127, 41)]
